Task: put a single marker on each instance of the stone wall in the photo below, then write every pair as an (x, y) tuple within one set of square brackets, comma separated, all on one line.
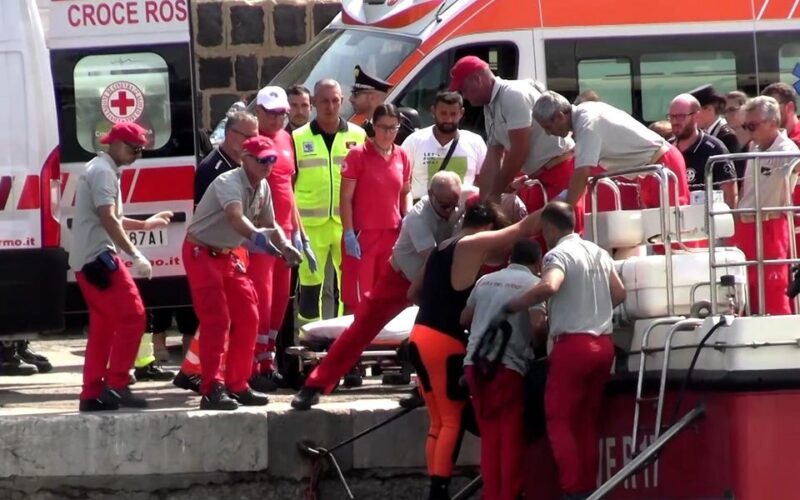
[(240, 45)]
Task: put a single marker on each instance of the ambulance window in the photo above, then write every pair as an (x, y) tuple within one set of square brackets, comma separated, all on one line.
[(422, 92), (115, 88), (789, 62), (666, 75), (610, 78)]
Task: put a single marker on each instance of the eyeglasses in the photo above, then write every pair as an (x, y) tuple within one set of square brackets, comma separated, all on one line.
[(442, 207), (246, 136), (388, 128), (752, 126), (679, 116), (137, 149), (267, 160)]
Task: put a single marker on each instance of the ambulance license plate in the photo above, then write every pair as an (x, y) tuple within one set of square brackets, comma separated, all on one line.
[(149, 238)]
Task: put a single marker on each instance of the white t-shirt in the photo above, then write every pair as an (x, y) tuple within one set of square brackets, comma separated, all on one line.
[(611, 138), (583, 302), (426, 155), (775, 184)]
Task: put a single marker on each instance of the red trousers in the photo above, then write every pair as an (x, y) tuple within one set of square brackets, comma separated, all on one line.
[(271, 279), (579, 367), (500, 411), (359, 275), (116, 325), (649, 188), (776, 276), (227, 306), (386, 300)]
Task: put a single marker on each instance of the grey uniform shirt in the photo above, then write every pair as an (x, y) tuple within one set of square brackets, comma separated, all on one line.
[(583, 303), (98, 186), (511, 108), (210, 225), (422, 230), (491, 293)]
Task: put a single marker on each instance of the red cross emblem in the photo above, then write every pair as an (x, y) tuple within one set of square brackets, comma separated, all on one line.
[(122, 102)]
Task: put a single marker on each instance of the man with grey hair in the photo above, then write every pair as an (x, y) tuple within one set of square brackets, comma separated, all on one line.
[(611, 139), (777, 179)]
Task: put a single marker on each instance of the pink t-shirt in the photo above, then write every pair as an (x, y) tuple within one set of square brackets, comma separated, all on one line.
[(280, 180), (376, 200)]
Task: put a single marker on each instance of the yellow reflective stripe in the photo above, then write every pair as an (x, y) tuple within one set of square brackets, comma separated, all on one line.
[(313, 212), (336, 210), (312, 162), (337, 159)]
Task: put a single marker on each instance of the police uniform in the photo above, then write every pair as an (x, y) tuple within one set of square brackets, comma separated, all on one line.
[(366, 82), (319, 159)]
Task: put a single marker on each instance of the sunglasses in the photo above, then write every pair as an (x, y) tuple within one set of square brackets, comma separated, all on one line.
[(444, 208), (752, 126), (137, 149), (267, 160)]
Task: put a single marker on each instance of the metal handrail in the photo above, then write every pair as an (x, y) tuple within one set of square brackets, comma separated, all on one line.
[(662, 174), (758, 211)]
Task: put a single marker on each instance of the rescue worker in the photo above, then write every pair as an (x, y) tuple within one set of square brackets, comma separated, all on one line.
[(442, 146), (776, 182), (375, 196), (581, 288), (429, 222), (437, 343), (116, 313), (611, 139), (516, 142), (709, 117), (239, 127), (320, 147), (270, 275), (367, 93), (299, 107), (237, 208), (495, 374), (697, 147)]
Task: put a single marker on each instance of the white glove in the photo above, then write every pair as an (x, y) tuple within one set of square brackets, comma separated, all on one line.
[(142, 266)]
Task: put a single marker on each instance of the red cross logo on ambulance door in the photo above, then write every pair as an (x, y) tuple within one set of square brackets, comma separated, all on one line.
[(122, 102)]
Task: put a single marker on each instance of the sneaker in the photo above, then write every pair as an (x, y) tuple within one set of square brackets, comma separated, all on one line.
[(266, 382), (306, 398), (32, 358), (249, 397), (153, 372), (122, 397), (96, 404), (187, 382), (218, 399), (353, 379)]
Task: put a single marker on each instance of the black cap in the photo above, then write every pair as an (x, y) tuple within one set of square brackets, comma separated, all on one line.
[(366, 82), (707, 96)]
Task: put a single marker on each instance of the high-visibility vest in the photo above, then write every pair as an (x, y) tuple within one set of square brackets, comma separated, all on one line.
[(319, 172)]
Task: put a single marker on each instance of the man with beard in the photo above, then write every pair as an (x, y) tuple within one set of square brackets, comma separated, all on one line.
[(697, 147), (442, 146)]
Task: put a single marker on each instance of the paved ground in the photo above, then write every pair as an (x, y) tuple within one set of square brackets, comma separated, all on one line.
[(57, 392)]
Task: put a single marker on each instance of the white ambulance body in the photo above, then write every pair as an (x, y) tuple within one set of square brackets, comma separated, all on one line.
[(32, 264), (112, 62)]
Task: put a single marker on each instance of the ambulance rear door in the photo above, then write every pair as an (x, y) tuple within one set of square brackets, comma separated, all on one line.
[(129, 61), (32, 264)]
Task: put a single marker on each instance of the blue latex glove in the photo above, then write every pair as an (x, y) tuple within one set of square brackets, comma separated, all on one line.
[(310, 257), (260, 238), (297, 239), (351, 246), (254, 248)]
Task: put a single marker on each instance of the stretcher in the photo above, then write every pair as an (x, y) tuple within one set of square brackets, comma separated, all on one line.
[(385, 355)]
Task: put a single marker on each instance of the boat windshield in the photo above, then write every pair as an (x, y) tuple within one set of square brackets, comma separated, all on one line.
[(334, 53)]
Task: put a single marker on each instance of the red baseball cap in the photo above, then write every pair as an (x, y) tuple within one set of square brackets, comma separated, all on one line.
[(260, 147), (464, 67), (126, 132)]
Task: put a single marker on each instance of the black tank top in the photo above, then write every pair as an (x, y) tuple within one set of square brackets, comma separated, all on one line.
[(440, 305)]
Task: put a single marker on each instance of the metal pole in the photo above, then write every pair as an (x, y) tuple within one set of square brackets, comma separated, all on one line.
[(712, 235), (666, 238), (759, 238), (593, 196)]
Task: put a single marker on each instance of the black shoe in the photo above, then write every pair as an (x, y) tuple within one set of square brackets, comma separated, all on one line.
[(440, 488), (249, 397), (306, 398), (187, 382), (218, 399), (413, 400), (122, 397), (96, 405), (266, 382), (153, 372), (32, 358), (10, 362), (353, 379)]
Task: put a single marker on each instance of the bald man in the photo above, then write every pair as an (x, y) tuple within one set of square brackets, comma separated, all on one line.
[(697, 146), (429, 222)]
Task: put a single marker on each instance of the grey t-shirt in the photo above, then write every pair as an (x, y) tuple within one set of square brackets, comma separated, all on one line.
[(491, 293), (583, 303), (511, 108), (422, 230), (98, 186), (210, 225)]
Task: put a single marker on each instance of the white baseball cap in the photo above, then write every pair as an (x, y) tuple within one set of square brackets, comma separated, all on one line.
[(273, 99)]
